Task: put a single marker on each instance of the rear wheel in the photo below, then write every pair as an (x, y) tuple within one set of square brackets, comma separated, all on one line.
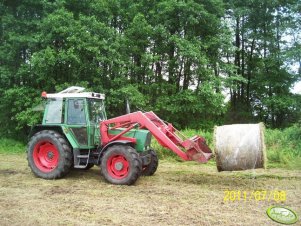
[(49, 155), (121, 164), (151, 168)]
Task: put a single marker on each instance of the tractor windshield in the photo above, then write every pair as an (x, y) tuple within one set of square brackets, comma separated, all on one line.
[(97, 111)]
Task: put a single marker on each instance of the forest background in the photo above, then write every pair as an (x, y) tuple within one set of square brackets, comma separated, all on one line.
[(195, 63)]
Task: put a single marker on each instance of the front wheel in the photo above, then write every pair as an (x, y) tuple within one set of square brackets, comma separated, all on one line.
[(49, 155), (121, 165)]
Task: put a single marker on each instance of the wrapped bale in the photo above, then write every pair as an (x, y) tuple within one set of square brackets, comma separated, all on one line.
[(239, 147)]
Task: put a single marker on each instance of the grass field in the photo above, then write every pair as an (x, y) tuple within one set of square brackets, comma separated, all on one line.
[(180, 193)]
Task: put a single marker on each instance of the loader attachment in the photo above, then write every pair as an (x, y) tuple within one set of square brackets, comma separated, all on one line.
[(194, 148)]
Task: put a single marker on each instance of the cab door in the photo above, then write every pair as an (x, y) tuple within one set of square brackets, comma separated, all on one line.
[(96, 115), (77, 121)]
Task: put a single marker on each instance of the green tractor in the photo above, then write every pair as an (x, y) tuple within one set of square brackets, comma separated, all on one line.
[(75, 133)]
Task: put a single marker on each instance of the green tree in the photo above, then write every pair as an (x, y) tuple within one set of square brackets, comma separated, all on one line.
[(174, 57), (263, 92)]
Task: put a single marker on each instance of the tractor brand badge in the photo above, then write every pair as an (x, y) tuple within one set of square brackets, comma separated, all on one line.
[(282, 215)]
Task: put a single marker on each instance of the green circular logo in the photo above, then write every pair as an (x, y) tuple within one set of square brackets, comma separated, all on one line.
[(282, 215)]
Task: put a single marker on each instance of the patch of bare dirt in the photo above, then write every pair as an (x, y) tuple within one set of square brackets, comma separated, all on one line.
[(8, 172), (184, 193)]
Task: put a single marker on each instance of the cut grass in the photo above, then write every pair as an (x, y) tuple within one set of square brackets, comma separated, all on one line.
[(185, 193)]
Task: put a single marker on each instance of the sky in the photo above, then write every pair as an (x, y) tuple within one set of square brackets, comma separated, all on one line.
[(297, 88)]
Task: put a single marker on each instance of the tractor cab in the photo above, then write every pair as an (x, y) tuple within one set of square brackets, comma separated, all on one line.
[(77, 113)]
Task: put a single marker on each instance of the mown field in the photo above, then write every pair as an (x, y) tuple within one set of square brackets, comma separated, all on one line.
[(180, 193)]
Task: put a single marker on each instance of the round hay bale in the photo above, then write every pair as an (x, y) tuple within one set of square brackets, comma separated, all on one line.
[(239, 147)]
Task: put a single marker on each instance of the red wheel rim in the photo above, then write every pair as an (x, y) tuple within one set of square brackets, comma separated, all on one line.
[(118, 166), (45, 156)]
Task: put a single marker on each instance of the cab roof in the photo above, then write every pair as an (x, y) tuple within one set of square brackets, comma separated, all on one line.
[(74, 91)]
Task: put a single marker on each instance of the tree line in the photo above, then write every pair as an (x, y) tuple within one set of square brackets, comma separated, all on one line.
[(177, 58)]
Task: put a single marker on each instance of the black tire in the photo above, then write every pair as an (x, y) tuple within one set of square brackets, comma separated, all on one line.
[(49, 155), (151, 168), (121, 165)]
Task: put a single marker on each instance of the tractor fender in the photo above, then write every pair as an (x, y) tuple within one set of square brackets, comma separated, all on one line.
[(56, 128), (38, 128), (103, 149)]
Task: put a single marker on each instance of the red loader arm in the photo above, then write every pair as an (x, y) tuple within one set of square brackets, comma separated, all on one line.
[(194, 148)]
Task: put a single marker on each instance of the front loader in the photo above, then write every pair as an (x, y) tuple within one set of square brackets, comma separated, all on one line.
[(75, 133)]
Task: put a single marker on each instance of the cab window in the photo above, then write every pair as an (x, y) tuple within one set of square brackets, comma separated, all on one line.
[(96, 111), (76, 112), (54, 111)]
